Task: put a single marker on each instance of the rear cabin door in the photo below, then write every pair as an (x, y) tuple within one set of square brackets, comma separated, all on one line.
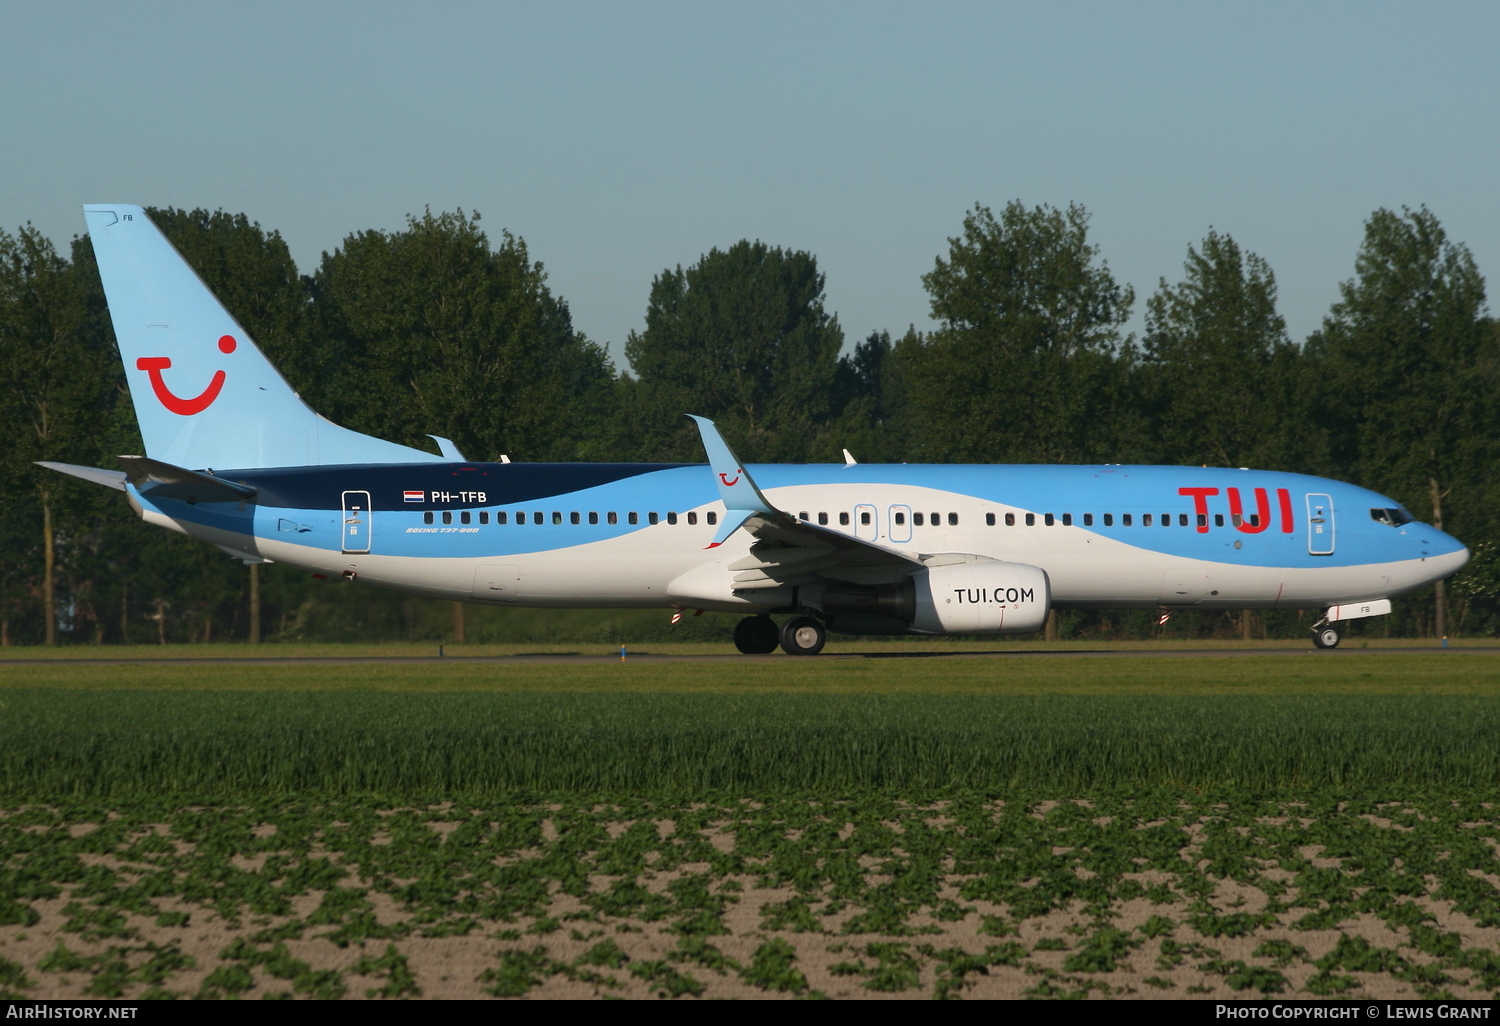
[(356, 522), (1319, 524)]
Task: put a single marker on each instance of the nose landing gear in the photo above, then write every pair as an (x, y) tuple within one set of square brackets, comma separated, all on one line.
[(1326, 635), (756, 635)]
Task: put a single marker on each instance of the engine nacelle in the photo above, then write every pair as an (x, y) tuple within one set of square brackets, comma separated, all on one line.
[(981, 597)]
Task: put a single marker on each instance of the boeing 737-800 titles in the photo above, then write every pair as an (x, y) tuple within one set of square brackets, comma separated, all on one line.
[(236, 459)]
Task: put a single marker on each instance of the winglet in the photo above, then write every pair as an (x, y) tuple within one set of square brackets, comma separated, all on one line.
[(735, 486), (742, 499), (448, 449)]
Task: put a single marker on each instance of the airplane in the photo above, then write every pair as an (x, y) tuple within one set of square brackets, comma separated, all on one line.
[(236, 459)]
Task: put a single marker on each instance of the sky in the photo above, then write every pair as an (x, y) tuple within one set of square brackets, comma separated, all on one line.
[(621, 139)]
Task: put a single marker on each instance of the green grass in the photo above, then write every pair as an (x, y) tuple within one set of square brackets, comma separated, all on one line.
[(751, 725), (1388, 673), (433, 744)]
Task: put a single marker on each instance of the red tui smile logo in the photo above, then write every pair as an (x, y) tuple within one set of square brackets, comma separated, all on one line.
[(154, 365)]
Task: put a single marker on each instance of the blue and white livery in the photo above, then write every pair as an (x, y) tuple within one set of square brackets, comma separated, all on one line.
[(235, 458)]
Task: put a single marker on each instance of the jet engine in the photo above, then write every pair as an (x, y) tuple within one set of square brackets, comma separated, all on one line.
[(970, 595)]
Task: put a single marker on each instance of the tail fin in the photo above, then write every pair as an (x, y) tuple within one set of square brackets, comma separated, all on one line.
[(204, 393)]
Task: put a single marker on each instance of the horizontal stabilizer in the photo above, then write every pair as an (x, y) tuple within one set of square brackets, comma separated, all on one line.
[(108, 478), (157, 480)]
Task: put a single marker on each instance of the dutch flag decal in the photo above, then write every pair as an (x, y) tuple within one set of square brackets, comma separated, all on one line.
[(413, 496)]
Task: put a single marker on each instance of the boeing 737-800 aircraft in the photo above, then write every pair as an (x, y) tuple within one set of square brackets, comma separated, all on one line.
[(235, 458)]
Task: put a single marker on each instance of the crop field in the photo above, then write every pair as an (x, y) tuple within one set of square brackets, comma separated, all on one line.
[(958, 827)]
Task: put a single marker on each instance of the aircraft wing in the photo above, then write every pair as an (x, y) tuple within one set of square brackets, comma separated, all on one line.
[(789, 551)]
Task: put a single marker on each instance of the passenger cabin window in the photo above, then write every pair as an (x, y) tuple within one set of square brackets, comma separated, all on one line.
[(1031, 520), (672, 518), (712, 518), (1109, 520), (593, 516), (1218, 520), (843, 519), (1088, 520), (633, 517), (822, 519), (952, 519), (447, 517), (864, 519), (692, 518), (484, 516), (1067, 520), (1234, 518), (501, 517), (1254, 519), (427, 517), (612, 517), (900, 519), (520, 516), (556, 517), (916, 519), (1010, 520), (463, 518), (537, 518), (652, 517), (1202, 519), (573, 517), (1125, 519), (1048, 520), (804, 517), (1145, 519), (989, 520), (937, 519), (1182, 520), (1166, 520)]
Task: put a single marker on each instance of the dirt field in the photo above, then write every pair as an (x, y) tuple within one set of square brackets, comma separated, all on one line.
[(1167, 894)]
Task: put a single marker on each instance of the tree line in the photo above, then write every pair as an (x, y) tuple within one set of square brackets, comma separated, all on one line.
[(441, 329)]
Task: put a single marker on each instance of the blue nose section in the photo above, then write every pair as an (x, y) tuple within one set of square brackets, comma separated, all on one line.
[(1449, 546)]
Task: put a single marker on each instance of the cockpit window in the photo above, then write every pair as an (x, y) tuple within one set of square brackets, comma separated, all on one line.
[(1391, 517)]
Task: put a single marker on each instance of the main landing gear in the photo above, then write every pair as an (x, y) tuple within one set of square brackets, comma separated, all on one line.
[(756, 635), (801, 635), (1326, 636)]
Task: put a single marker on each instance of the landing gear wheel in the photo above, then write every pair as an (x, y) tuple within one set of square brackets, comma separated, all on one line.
[(802, 635), (1327, 637), (756, 635)]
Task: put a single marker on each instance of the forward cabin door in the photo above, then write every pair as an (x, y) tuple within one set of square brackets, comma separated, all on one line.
[(1319, 524), (356, 522)]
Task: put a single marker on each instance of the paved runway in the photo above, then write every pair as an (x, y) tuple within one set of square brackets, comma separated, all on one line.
[(647, 656)]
